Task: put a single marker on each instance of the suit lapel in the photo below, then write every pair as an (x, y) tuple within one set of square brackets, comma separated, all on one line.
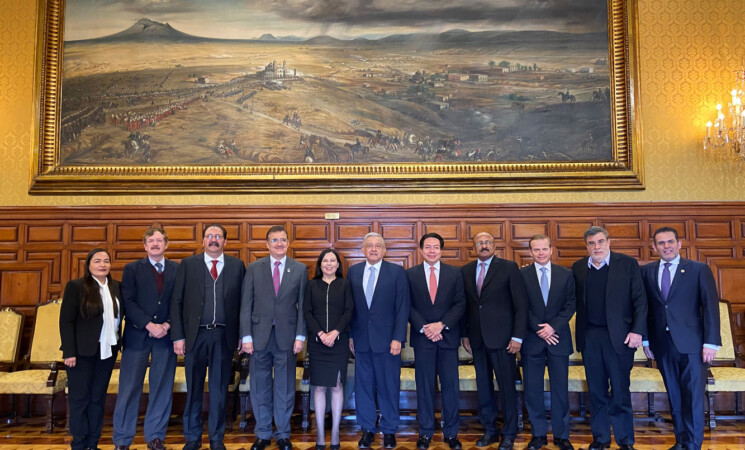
[(678, 278), (267, 273), (379, 276), (653, 277), (441, 282), (491, 272)]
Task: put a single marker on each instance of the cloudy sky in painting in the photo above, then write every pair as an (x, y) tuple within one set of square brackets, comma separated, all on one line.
[(245, 19)]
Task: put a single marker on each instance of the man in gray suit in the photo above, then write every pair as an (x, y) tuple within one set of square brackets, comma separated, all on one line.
[(273, 330)]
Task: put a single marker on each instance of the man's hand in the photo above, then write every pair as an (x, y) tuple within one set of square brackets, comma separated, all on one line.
[(298, 346), (552, 340), (633, 340), (648, 352), (70, 362), (466, 343), (545, 331), (433, 331), (247, 347), (351, 345), (156, 330), (708, 354), (395, 347), (513, 346), (178, 347)]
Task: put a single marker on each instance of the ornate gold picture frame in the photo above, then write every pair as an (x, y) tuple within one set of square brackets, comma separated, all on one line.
[(454, 125)]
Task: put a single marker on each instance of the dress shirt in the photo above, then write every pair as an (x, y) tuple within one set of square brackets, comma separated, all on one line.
[(548, 272), (163, 263), (427, 271), (208, 260), (606, 262), (108, 336), (366, 275)]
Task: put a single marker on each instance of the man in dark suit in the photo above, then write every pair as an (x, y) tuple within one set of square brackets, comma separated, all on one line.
[(611, 319), (496, 319), (683, 332), (437, 306), (381, 311), (273, 330), (548, 343), (147, 285), (204, 328)]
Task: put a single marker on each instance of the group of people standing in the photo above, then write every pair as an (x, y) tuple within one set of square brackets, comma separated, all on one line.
[(211, 305)]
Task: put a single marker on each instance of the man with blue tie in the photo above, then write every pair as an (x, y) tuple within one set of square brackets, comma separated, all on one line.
[(437, 306), (548, 342), (146, 290), (378, 330), (273, 330), (683, 332)]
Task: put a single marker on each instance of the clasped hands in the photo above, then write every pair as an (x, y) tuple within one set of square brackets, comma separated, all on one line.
[(433, 331), (548, 334), (328, 339), (157, 330)]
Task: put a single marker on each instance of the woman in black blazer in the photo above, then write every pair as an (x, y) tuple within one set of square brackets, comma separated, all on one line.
[(90, 329)]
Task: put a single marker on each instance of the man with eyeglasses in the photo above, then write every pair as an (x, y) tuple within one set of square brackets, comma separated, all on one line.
[(496, 321), (204, 328), (273, 330), (611, 320)]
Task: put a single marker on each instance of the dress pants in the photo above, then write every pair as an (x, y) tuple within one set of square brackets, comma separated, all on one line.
[(608, 408), (435, 362), (502, 364), (272, 397), (133, 365), (211, 350), (377, 376), (86, 396), (685, 380), (558, 372)]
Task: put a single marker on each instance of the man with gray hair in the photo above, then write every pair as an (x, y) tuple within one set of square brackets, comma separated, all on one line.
[(378, 330), (611, 320)]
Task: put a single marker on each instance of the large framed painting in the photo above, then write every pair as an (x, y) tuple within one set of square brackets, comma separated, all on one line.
[(315, 96)]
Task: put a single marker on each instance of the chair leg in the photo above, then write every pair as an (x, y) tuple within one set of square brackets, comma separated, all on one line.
[(28, 406), (305, 397), (12, 416), (520, 418), (650, 404), (582, 406), (712, 416), (243, 401), (230, 410), (50, 413)]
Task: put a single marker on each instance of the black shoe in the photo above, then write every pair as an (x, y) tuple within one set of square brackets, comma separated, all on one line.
[(214, 445), (366, 439), (335, 446), (454, 443), (195, 445), (537, 443), (487, 440), (320, 446), (389, 440), (677, 446), (506, 444), (626, 447), (423, 443), (284, 444), (595, 445), (563, 444), (260, 444)]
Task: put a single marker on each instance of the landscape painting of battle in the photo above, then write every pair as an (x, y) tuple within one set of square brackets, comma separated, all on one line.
[(247, 82)]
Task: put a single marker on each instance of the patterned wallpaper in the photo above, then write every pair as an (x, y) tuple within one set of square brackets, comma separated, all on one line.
[(688, 50)]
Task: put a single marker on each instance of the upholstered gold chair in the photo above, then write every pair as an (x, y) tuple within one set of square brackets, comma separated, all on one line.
[(11, 329), (724, 375), (45, 374)]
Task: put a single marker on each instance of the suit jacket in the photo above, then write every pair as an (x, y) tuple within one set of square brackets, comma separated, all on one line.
[(80, 336), (448, 308), (260, 306), (693, 312), (187, 301), (142, 301), (557, 311), (625, 300), (374, 328), (501, 311)]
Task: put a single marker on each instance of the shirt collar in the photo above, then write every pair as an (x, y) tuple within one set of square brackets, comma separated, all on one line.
[(487, 262), (435, 265), (162, 261), (606, 262), (281, 261), (103, 285), (376, 265), (674, 262), (538, 266), (208, 259)]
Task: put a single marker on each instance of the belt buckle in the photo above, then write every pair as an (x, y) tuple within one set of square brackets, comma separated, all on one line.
[(211, 326)]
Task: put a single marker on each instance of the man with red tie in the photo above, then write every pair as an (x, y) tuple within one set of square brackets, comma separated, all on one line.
[(437, 306)]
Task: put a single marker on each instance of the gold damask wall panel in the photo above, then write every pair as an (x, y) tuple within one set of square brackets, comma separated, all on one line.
[(688, 50)]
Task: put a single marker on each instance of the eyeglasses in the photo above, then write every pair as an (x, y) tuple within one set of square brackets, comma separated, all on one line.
[(275, 240), (217, 237), (483, 243)]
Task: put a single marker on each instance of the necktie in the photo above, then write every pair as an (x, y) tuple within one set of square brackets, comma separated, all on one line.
[(213, 270), (370, 287), (159, 267), (544, 285), (665, 283), (480, 280), (432, 284), (275, 277)]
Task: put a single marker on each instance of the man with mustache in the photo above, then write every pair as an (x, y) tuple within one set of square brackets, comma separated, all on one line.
[(147, 285), (204, 328), (611, 319), (495, 325)]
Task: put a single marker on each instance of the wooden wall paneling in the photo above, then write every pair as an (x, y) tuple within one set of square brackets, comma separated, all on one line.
[(569, 229), (350, 233), (680, 226), (449, 230), (398, 231), (523, 231), (9, 234), (496, 228), (711, 229), (708, 254), (23, 284), (178, 233)]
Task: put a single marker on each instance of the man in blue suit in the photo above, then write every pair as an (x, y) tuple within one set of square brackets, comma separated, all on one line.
[(683, 332), (548, 343), (146, 290), (437, 305), (381, 311)]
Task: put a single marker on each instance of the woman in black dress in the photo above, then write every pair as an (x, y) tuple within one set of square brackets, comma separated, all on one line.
[(90, 328), (328, 309)]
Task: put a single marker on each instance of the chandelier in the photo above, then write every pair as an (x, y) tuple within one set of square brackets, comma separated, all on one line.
[(726, 135)]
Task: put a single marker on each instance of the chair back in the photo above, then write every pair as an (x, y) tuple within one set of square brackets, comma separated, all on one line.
[(576, 357), (46, 341), (726, 353), (11, 329)]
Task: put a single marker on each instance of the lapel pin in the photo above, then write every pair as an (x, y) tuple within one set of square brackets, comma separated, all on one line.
[(288, 270), (682, 271)]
